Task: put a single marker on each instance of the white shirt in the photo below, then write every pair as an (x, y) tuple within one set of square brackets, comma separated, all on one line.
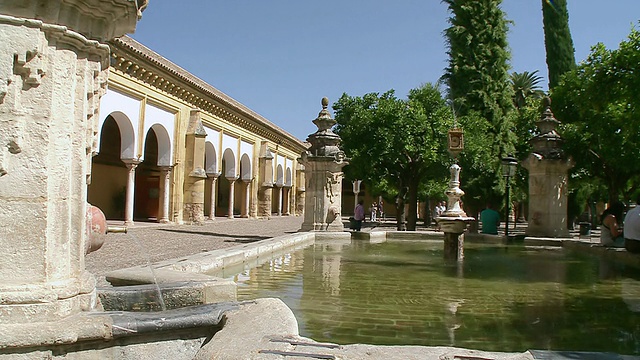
[(632, 224)]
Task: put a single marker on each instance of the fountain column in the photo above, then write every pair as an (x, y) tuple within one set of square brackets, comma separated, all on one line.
[(131, 164), (53, 71), (323, 164), (548, 168), (165, 177), (453, 221)]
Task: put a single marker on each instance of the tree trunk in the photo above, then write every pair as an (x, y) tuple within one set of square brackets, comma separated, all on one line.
[(412, 216), (400, 214)]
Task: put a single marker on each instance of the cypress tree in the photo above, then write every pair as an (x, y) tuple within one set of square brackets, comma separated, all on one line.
[(478, 71), (479, 84), (557, 39)]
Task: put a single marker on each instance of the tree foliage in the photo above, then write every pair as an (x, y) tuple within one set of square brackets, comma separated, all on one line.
[(479, 86), (395, 143), (557, 39), (525, 85), (599, 103)]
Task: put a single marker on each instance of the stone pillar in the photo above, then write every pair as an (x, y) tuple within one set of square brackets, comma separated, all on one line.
[(194, 168), (165, 178), (247, 197), (212, 206), (265, 182), (454, 246), (53, 71), (548, 174), (131, 190), (289, 201), (323, 164), (300, 190), (232, 182), (280, 194)]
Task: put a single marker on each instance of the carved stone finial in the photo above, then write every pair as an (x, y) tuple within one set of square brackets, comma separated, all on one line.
[(546, 102), (325, 102)]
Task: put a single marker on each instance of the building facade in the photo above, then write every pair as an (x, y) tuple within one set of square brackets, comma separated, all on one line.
[(172, 148)]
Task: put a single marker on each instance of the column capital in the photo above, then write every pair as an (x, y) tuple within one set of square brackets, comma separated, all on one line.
[(213, 175), (131, 163), (232, 178), (166, 168)]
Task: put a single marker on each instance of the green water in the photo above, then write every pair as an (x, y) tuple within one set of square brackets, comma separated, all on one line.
[(499, 299)]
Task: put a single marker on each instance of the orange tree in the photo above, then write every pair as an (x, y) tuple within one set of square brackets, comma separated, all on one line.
[(395, 144)]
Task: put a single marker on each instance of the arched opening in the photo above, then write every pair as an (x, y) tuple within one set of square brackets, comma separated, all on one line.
[(276, 204), (228, 168), (147, 196), (108, 173), (286, 193), (245, 178), (211, 168)]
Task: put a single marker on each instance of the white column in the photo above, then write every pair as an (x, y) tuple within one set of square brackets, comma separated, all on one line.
[(165, 176), (247, 197), (212, 206), (232, 182), (280, 193), (287, 191), (132, 164)]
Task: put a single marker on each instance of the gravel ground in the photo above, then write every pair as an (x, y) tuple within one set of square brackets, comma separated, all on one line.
[(151, 242)]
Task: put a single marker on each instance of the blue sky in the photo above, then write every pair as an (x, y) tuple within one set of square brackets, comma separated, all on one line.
[(280, 57)]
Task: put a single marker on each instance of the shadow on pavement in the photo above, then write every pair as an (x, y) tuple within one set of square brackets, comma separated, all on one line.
[(241, 238)]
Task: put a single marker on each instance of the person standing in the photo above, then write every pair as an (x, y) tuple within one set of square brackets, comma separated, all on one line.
[(359, 215), (632, 229), (374, 210), (490, 220)]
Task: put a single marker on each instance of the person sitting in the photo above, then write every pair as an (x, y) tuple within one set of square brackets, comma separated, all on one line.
[(632, 228), (490, 220), (611, 234)]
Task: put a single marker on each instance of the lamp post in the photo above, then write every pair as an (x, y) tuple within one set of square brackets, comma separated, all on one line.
[(509, 164), (356, 190)]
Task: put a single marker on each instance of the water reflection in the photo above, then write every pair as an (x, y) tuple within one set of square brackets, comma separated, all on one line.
[(500, 299)]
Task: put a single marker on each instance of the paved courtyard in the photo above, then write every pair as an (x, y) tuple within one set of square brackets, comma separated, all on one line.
[(151, 242)]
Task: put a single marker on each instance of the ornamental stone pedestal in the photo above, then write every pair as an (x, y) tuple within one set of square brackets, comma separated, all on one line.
[(454, 220), (323, 164), (548, 174), (52, 74)]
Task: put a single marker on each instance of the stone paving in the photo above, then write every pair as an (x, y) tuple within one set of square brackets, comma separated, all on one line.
[(147, 242)]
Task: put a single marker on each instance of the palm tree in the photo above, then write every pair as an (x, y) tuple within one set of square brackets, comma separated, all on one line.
[(525, 85)]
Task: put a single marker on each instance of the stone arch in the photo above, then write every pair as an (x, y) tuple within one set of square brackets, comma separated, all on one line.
[(127, 135), (164, 144), (229, 159), (211, 158), (245, 167), (288, 180), (279, 176)]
